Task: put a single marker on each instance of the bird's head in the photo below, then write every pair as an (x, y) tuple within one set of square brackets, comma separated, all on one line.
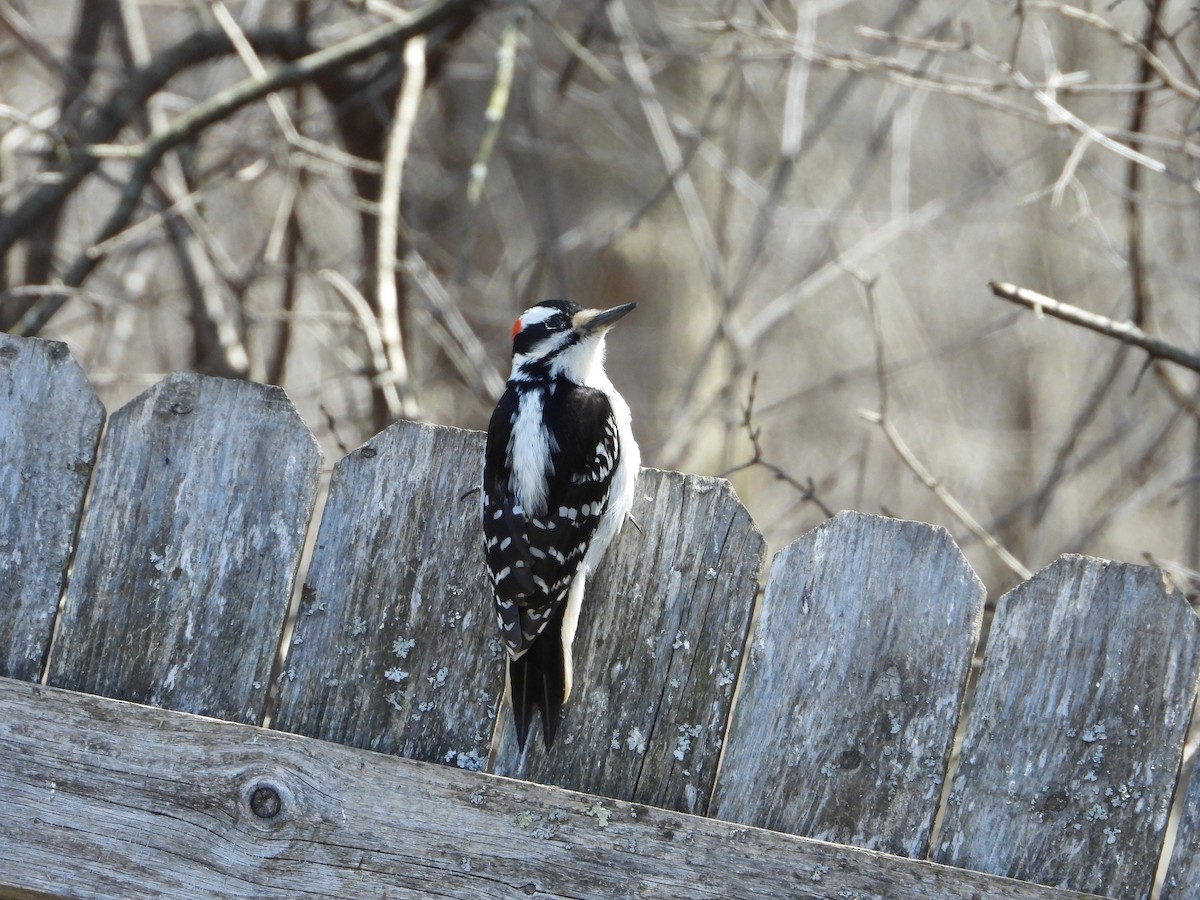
[(561, 338)]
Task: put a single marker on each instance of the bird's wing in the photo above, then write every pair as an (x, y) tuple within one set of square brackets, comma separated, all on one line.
[(533, 555)]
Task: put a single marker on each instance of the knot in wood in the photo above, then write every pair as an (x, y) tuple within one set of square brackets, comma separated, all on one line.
[(1055, 801), (265, 801), (849, 759)]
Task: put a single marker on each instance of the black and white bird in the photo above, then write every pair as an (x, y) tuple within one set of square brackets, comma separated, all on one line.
[(558, 483)]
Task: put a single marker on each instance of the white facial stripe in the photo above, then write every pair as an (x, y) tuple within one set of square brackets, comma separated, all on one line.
[(536, 314)]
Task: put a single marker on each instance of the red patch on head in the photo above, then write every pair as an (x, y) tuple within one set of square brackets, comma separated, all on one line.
[(516, 329)]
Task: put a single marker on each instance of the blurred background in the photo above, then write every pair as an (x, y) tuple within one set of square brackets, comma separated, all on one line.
[(807, 201)]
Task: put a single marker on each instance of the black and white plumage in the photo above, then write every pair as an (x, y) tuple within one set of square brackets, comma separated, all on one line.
[(558, 483)]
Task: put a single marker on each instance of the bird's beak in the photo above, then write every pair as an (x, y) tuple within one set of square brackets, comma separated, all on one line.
[(590, 321)]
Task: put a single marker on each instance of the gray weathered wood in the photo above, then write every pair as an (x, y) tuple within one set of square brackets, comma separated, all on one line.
[(1183, 875), (50, 421), (856, 672), (394, 647), (658, 651), (1068, 764), (188, 549), (112, 800)]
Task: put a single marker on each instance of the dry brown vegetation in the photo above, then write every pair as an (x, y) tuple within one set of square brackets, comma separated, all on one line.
[(808, 202)]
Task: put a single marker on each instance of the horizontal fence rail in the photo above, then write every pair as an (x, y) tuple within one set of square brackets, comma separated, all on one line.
[(140, 802), (703, 713)]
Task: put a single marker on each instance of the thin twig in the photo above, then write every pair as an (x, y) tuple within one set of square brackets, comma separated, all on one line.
[(1057, 114), (910, 459), (797, 137), (579, 53), (387, 294), (127, 101), (292, 240), (807, 488), (873, 243), (1084, 417), (332, 424), (1143, 50), (1125, 332), (493, 119), (1143, 478), (791, 143), (288, 232), (664, 140), (461, 345), (253, 65), (370, 328)]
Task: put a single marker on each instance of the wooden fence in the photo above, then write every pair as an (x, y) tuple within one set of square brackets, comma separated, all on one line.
[(824, 778)]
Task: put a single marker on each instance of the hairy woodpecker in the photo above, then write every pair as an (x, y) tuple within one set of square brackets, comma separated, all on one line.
[(558, 482)]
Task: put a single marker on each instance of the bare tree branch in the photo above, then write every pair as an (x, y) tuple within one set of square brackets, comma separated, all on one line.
[(218, 348), (1144, 50), (379, 367), (187, 125), (387, 293), (127, 101), (1125, 332)]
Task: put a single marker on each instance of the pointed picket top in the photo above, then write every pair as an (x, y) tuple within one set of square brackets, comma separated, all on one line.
[(1067, 767), (50, 421), (856, 673), (657, 653), (188, 549), (394, 649)]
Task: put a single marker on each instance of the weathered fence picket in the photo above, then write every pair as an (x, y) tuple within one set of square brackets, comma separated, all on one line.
[(188, 549), (854, 681), (50, 420), (838, 725), (658, 654), (1071, 749), (390, 651)]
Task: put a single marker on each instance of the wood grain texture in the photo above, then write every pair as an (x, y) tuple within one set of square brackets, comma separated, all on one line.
[(1183, 874), (848, 705), (658, 651), (1068, 764), (104, 799), (395, 648), (50, 421), (188, 548)]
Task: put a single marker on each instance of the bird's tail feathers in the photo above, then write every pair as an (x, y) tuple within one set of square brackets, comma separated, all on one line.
[(537, 680)]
